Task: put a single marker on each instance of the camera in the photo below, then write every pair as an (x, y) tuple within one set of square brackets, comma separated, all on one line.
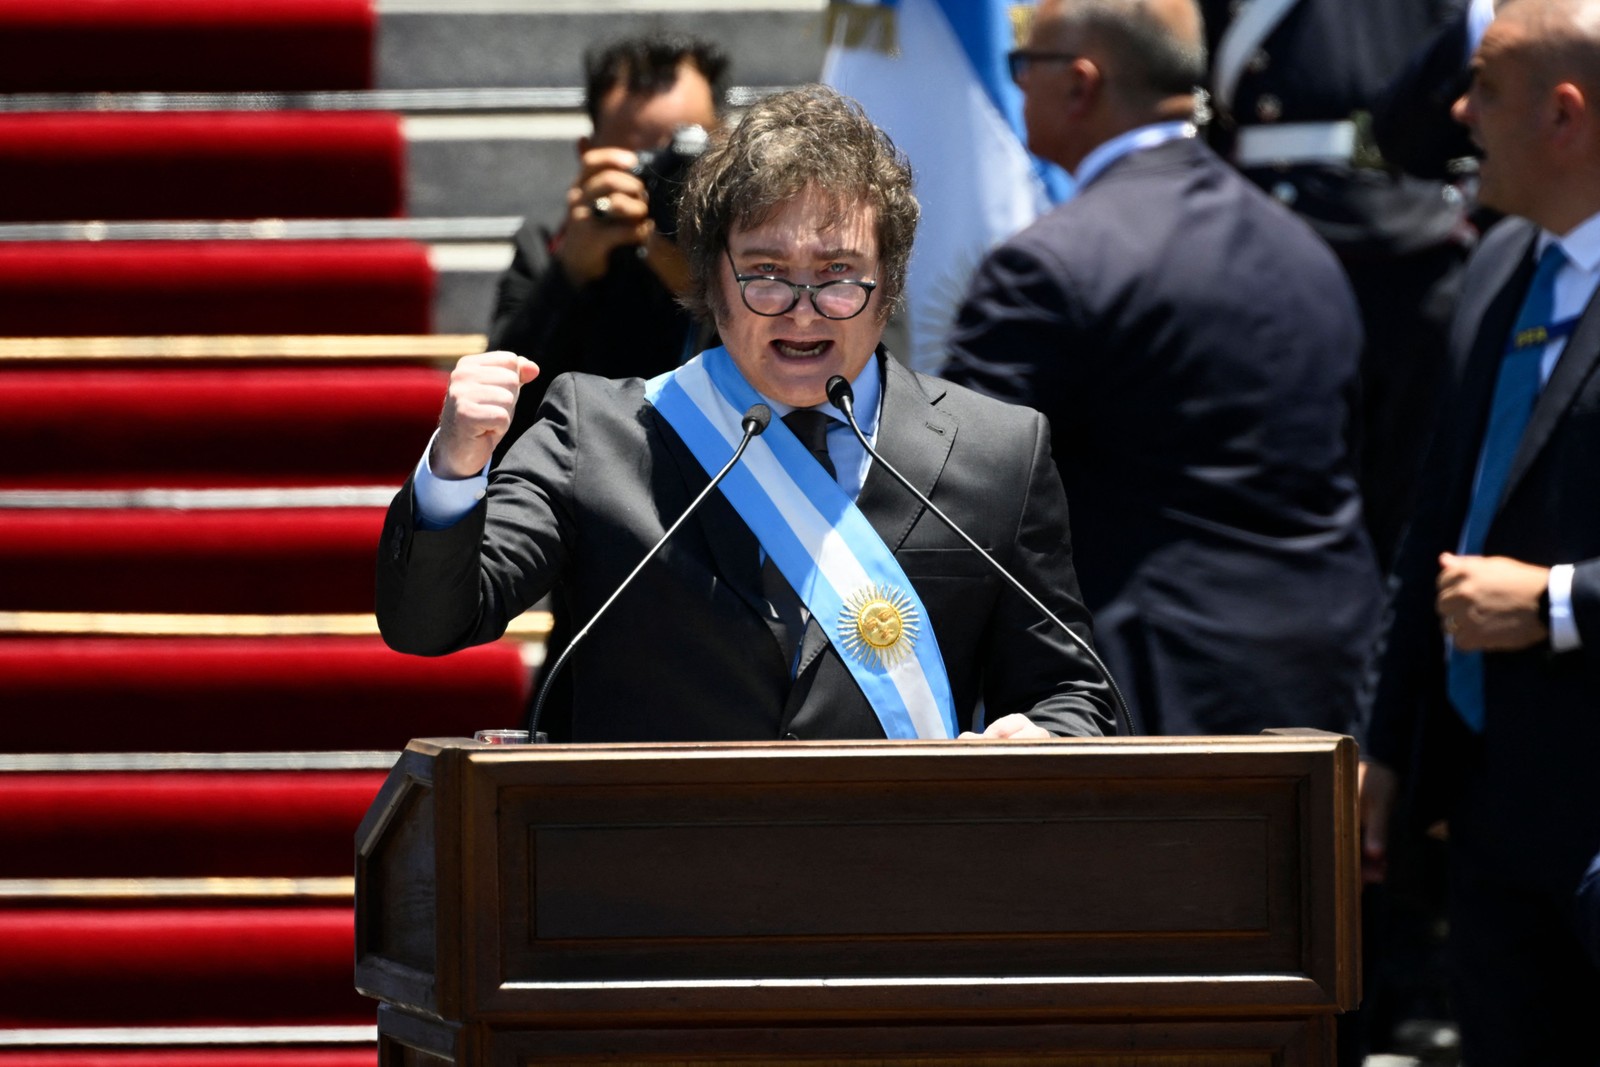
[(663, 171)]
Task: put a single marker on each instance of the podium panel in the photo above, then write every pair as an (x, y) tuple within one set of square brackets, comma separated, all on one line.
[(1183, 900)]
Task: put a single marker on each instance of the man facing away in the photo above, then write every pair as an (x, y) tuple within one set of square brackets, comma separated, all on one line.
[(1195, 348), (811, 596), (1489, 689)]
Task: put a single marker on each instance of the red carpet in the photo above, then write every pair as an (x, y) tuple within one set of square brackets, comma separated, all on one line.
[(214, 1057), (266, 561), (172, 966), (201, 287), (234, 426), (292, 824), (76, 46), (90, 165), (248, 694)]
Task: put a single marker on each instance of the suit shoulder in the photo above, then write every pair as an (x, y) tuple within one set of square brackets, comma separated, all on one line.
[(969, 407), (1508, 237), (594, 407), (580, 387), (1494, 260), (1155, 201)]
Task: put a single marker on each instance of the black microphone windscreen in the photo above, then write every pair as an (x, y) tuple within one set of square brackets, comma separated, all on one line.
[(839, 392), (755, 420)]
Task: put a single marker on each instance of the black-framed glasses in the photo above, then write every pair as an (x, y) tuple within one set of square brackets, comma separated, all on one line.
[(1019, 60), (769, 296)]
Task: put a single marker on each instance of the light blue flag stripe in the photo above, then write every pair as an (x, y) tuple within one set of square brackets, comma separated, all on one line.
[(984, 29)]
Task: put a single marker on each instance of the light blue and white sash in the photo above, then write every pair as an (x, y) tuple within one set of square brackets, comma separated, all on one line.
[(820, 541)]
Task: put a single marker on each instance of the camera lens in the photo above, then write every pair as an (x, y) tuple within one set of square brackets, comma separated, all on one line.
[(663, 171)]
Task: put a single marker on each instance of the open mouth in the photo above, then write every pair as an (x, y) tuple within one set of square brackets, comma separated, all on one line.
[(801, 350)]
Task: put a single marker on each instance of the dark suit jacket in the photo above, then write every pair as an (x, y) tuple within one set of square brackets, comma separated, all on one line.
[(1536, 803), (687, 653), (1194, 346)]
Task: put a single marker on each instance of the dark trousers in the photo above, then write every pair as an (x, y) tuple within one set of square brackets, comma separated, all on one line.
[(1525, 992)]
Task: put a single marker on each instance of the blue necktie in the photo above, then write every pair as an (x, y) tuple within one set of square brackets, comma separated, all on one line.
[(1515, 391)]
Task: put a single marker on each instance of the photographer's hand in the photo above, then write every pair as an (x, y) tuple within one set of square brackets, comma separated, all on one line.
[(587, 238), (663, 256)]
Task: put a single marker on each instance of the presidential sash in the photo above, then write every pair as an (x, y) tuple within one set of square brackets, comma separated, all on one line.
[(826, 549)]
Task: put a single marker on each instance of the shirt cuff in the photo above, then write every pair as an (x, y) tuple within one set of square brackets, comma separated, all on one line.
[(1479, 14), (439, 503), (1563, 627)]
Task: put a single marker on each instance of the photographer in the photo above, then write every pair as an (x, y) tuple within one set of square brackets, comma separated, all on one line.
[(599, 294)]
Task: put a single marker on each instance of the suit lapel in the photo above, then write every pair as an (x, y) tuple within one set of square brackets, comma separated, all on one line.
[(913, 434), (1577, 363), (1475, 390), (915, 437), (734, 548)]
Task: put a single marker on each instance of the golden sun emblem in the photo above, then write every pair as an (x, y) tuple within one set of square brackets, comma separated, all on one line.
[(878, 624)]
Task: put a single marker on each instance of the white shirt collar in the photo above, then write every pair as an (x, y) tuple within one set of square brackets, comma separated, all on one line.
[(1095, 163), (1575, 283), (867, 387)]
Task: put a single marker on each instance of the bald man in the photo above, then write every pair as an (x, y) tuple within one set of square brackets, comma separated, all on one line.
[(1195, 347), (1490, 689)]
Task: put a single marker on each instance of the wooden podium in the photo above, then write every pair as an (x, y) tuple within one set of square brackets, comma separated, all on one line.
[(1182, 901)]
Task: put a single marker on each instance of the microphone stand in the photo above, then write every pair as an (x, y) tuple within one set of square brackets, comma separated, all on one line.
[(753, 424), (841, 396)]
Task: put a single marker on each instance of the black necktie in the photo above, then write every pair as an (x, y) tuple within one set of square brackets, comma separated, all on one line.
[(811, 427)]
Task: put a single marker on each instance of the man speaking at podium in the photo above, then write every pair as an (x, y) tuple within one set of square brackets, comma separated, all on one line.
[(810, 596)]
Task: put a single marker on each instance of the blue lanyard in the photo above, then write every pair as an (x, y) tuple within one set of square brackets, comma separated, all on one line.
[(1539, 336)]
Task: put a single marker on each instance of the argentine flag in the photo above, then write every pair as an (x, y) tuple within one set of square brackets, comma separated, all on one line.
[(933, 74)]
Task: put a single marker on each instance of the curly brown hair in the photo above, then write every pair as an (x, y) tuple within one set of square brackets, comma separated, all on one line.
[(810, 137)]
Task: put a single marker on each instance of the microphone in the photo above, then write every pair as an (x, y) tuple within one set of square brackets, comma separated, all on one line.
[(754, 424), (841, 396)]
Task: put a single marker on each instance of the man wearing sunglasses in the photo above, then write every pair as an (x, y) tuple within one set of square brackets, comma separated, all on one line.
[(811, 596)]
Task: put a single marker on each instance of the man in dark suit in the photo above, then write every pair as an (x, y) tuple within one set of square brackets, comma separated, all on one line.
[(1194, 346), (811, 597), (1489, 691)]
